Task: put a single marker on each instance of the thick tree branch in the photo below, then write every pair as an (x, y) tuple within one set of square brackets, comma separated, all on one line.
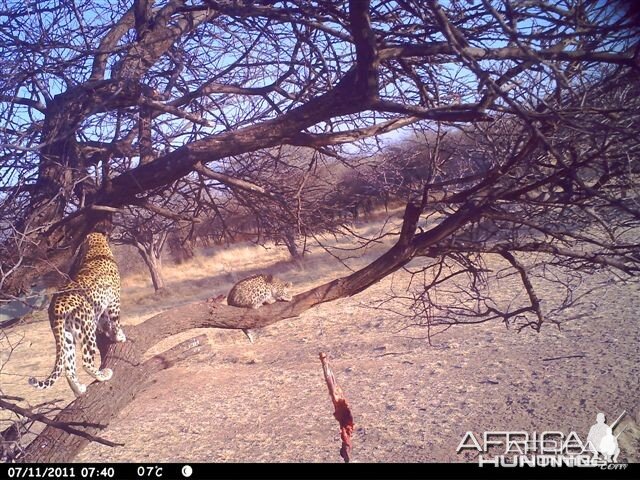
[(103, 401), (165, 29), (455, 113), (108, 44), (367, 59), (324, 139), (508, 53), (23, 101)]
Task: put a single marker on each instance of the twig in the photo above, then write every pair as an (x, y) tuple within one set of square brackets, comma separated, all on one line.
[(342, 411), (392, 353), (60, 425), (563, 357), (10, 397)]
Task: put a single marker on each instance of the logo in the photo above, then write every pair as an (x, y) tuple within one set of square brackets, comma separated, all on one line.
[(601, 438), (549, 448)]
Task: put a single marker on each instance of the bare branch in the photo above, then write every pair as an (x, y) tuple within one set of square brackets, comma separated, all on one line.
[(59, 425)]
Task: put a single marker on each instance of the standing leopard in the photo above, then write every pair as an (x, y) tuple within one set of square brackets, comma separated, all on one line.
[(90, 302), (255, 291)]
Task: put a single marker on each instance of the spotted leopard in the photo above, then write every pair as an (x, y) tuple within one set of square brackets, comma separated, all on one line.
[(255, 291), (90, 302)]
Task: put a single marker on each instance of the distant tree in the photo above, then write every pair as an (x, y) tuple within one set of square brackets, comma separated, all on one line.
[(148, 234), (276, 195)]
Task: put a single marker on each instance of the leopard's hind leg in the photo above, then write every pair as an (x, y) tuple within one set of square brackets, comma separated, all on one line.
[(109, 323), (59, 367), (89, 350), (70, 365), (81, 327)]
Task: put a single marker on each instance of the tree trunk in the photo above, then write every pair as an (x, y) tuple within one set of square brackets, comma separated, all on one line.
[(154, 264), (49, 236), (290, 242)]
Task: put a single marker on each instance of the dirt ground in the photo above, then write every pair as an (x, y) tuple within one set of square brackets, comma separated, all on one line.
[(411, 401)]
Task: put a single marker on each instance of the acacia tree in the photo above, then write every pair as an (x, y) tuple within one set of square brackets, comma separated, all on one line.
[(107, 106), (148, 236), (147, 226), (285, 196)]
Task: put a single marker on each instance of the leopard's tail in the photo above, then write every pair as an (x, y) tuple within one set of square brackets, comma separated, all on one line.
[(57, 369)]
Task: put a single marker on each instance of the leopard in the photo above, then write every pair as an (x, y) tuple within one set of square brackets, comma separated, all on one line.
[(88, 304), (255, 291)]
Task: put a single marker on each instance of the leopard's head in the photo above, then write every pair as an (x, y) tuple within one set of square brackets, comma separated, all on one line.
[(280, 290)]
